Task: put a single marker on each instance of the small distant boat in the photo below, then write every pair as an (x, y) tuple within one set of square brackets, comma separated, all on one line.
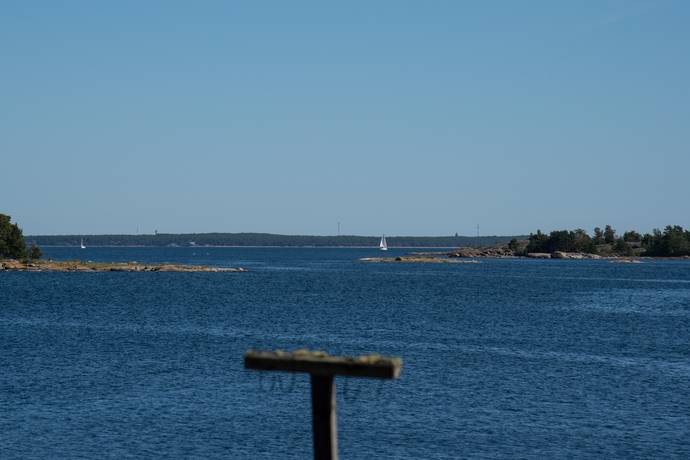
[(81, 244), (382, 245)]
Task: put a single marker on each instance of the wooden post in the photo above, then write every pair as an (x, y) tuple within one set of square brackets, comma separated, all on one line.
[(323, 417), (322, 369)]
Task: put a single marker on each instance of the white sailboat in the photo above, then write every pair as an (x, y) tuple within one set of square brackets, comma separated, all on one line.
[(382, 245), (81, 244)]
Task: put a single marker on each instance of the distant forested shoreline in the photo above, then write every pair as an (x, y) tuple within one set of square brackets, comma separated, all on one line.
[(673, 241), (266, 239)]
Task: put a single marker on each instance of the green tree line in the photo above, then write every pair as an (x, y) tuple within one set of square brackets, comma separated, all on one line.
[(673, 241)]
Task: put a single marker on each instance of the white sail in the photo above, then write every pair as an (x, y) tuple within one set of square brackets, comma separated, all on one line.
[(81, 244), (382, 245)]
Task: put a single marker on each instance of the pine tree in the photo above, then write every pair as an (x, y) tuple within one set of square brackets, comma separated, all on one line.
[(12, 245), (35, 252)]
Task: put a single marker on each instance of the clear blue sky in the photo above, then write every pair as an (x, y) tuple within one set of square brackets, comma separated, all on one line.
[(391, 117)]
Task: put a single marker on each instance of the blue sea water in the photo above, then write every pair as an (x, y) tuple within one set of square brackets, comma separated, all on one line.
[(502, 359)]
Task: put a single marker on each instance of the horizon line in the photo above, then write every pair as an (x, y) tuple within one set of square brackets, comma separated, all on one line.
[(273, 234)]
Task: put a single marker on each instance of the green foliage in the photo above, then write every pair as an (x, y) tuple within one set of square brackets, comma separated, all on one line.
[(35, 252), (12, 245), (561, 240), (609, 235), (673, 242), (632, 237), (537, 242), (623, 248)]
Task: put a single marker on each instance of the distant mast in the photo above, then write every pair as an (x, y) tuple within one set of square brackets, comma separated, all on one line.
[(81, 244), (382, 245)]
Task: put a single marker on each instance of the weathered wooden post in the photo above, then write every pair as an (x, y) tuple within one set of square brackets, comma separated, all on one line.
[(322, 369)]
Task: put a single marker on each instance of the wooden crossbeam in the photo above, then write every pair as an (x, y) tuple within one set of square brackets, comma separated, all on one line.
[(323, 368), (320, 363)]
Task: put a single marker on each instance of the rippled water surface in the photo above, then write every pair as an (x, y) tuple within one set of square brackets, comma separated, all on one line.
[(502, 359)]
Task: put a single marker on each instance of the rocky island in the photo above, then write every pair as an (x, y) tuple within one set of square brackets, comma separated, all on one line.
[(16, 256), (632, 247), (419, 259), (81, 266)]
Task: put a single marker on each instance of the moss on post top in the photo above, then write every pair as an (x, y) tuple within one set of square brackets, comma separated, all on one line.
[(321, 363)]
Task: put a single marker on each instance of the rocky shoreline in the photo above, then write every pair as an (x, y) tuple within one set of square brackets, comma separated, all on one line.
[(503, 252), (419, 259), (81, 266), (470, 255)]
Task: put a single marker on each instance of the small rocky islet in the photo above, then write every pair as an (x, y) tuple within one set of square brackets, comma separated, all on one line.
[(419, 259), (88, 266)]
